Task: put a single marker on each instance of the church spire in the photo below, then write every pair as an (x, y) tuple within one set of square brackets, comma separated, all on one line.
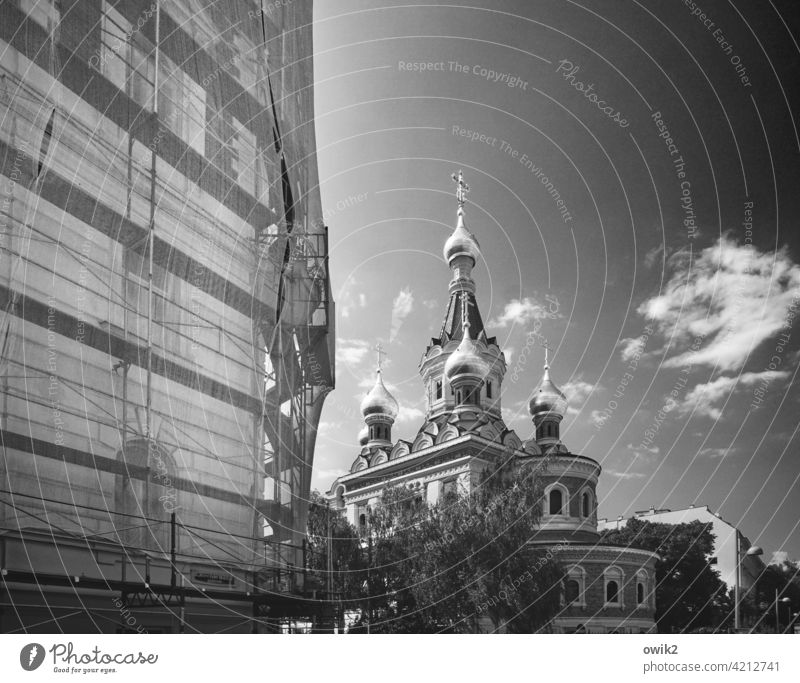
[(461, 250), (548, 408), (379, 408)]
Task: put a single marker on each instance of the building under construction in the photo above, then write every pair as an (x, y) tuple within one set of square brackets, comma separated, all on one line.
[(167, 325)]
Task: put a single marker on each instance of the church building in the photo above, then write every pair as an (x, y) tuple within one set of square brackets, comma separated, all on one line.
[(607, 589)]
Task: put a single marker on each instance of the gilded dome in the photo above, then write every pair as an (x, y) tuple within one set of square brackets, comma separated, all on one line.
[(466, 360), (461, 243), (549, 398), (379, 400)]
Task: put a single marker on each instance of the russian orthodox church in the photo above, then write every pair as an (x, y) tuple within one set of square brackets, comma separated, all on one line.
[(607, 588)]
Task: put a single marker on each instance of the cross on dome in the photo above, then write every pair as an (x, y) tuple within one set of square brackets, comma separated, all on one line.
[(380, 352), (461, 188)]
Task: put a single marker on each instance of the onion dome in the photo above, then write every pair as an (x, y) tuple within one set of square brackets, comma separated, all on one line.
[(466, 361), (549, 398), (461, 243), (379, 401), (363, 436)]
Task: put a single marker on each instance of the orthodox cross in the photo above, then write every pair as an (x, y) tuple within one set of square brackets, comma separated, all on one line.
[(461, 189), (546, 348), (380, 352)]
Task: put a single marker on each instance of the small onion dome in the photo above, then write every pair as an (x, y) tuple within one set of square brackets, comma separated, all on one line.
[(466, 360), (461, 243), (549, 398), (363, 436), (379, 401)]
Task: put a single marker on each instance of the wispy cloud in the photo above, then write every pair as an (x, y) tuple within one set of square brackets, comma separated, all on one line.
[(349, 297), (624, 475), (704, 399), (402, 306), (351, 351), (630, 347), (521, 312), (715, 452), (409, 414), (577, 392), (732, 297)]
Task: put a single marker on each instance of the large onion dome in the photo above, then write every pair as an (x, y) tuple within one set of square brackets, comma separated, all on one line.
[(466, 362), (379, 401), (549, 398), (461, 243)]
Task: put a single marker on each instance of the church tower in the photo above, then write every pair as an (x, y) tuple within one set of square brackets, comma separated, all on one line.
[(462, 335), (605, 588), (379, 409)]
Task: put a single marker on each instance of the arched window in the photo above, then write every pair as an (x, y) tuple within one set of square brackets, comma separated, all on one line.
[(641, 588), (572, 591), (586, 507), (439, 389), (614, 580), (488, 390), (556, 502)]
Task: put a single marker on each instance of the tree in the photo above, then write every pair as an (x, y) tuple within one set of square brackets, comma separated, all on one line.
[(330, 532), (464, 562), (689, 593)]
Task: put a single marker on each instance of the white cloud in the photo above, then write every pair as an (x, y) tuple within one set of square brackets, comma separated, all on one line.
[(351, 351), (521, 312), (349, 297), (577, 391), (703, 399), (715, 452), (624, 475), (725, 303), (631, 347), (402, 305), (409, 414), (598, 418), (509, 354)]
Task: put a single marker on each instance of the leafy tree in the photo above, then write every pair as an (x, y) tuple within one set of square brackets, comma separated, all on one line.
[(329, 531), (464, 563), (689, 593)]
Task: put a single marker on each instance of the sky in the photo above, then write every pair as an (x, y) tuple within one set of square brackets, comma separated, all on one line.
[(634, 188)]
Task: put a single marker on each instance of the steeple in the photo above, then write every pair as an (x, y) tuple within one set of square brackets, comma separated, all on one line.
[(379, 409), (466, 369), (462, 366), (548, 408), (461, 250)]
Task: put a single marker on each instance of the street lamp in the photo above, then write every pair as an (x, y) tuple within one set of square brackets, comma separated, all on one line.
[(752, 551), (785, 601)]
